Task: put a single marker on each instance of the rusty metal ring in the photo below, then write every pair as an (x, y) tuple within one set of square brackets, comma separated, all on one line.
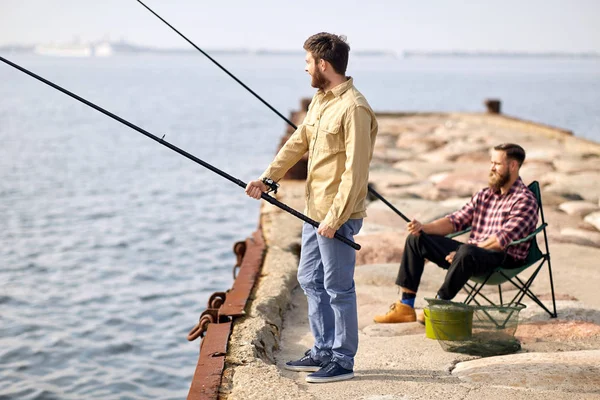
[(216, 300), (194, 333), (204, 321), (199, 330), (239, 249)]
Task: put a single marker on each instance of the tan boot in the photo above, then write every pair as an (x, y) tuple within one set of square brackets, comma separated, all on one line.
[(398, 312), (421, 317)]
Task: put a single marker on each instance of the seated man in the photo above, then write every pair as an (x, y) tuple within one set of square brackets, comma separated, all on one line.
[(499, 214)]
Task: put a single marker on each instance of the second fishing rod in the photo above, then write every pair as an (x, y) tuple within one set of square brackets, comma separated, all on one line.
[(290, 123)]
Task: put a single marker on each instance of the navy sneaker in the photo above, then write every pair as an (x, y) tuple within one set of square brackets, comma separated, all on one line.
[(331, 372), (306, 364)]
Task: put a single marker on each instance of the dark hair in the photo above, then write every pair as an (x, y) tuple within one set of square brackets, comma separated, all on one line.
[(331, 48), (513, 152)]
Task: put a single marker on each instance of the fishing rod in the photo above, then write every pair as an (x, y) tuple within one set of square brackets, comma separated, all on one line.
[(225, 175), (290, 123), (436, 248), (220, 66), (387, 203)]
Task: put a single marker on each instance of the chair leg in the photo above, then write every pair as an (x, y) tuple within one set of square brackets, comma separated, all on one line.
[(469, 291), (524, 290), (475, 290), (532, 296), (552, 315), (547, 256), (500, 294), (483, 296)]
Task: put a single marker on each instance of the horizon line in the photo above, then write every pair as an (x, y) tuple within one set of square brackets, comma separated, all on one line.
[(404, 52)]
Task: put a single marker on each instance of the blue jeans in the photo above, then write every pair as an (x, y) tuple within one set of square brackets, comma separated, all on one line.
[(326, 274)]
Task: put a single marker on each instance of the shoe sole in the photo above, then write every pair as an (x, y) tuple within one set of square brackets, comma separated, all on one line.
[(344, 377), (395, 322), (301, 369)]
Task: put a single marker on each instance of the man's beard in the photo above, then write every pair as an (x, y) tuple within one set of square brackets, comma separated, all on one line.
[(497, 181), (318, 80)]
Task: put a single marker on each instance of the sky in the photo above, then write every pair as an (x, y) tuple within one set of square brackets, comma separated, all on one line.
[(392, 25)]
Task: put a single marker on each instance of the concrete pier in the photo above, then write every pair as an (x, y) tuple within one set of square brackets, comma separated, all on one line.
[(428, 165)]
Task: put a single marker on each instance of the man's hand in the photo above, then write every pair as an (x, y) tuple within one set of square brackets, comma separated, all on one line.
[(325, 230), (255, 188), (414, 227), (490, 243), (450, 257)]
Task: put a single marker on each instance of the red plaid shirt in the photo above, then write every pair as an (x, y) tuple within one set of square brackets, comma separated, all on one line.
[(509, 217)]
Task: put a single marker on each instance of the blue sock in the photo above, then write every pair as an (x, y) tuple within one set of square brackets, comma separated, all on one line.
[(408, 302), (408, 299)]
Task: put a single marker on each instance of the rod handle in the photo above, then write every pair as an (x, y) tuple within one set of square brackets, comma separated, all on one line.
[(304, 218)]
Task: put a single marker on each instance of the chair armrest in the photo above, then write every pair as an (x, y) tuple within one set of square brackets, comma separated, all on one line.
[(528, 237), (455, 234)]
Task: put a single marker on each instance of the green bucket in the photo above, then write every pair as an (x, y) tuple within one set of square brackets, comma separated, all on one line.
[(448, 323)]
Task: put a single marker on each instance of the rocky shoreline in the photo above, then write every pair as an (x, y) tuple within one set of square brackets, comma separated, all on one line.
[(429, 164)]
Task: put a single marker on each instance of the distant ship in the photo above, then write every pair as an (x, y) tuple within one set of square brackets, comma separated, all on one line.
[(63, 50), (101, 49)]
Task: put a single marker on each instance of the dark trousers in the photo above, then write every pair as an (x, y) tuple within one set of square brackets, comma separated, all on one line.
[(468, 261)]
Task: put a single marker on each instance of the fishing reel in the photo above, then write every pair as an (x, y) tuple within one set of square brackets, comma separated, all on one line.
[(271, 185)]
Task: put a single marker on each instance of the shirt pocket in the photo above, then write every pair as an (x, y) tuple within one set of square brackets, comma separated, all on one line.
[(331, 138), (309, 129)]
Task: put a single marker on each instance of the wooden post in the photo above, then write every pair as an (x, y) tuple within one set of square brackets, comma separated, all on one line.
[(493, 106), (299, 170), (304, 103)]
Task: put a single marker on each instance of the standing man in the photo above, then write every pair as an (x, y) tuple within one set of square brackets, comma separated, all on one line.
[(339, 133)]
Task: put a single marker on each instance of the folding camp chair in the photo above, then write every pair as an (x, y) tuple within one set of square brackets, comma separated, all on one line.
[(501, 275)]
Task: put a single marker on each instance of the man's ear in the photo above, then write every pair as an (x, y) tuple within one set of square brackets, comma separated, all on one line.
[(322, 65), (514, 165)]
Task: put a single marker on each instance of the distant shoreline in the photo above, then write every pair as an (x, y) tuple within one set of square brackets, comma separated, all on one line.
[(496, 54), (118, 48), (122, 47)]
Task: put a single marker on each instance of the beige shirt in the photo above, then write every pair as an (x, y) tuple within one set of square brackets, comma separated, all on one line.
[(339, 133)]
